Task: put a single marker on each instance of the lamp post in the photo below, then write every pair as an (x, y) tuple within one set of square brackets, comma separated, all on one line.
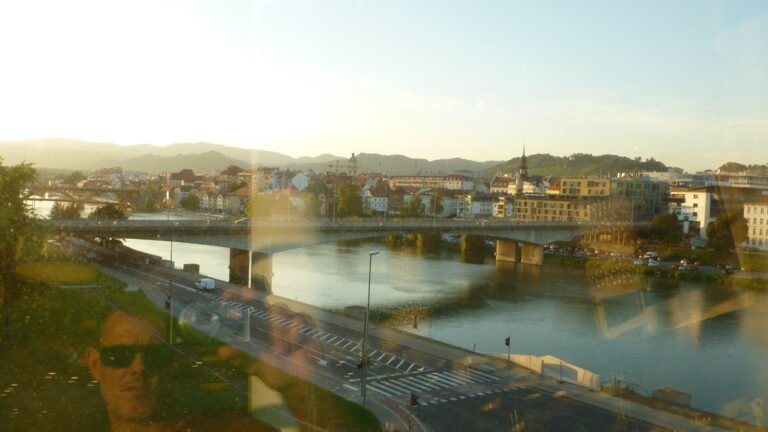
[(364, 354), (169, 300)]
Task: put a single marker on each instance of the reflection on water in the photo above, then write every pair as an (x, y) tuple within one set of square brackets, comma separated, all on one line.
[(707, 340)]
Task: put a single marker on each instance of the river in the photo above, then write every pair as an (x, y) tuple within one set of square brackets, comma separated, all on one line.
[(710, 341)]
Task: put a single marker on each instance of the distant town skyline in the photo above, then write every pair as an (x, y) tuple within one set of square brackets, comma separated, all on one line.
[(685, 83)]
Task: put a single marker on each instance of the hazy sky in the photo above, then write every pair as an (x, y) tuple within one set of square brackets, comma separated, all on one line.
[(685, 82)]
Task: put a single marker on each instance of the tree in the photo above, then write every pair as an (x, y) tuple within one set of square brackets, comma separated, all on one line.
[(259, 206), (66, 211), (414, 207), (21, 232), (727, 231), (150, 203), (315, 188), (664, 228), (350, 201), (108, 211), (311, 205), (236, 185), (436, 208), (73, 178), (190, 202)]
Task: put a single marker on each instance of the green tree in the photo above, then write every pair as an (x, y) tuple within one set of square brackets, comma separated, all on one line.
[(311, 205), (436, 204), (259, 206), (726, 232), (108, 211), (350, 201), (414, 207), (73, 178), (150, 203), (235, 186), (190, 202), (65, 211), (316, 188), (664, 228), (21, 232)]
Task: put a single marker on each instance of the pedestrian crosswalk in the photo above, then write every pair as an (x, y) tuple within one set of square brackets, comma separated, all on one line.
[(429, 381), (354, 347)]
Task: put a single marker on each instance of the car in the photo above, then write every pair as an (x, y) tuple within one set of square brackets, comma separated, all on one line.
[(684, 261), (638, 261), (653, 263), (651, 254)]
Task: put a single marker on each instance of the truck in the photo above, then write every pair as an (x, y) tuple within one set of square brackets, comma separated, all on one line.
[(205, 284)]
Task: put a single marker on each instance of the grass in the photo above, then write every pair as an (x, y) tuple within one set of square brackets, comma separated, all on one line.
[(44, 365), (57, 272)]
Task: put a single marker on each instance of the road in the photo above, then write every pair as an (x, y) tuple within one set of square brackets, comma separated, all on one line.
[(456, 389)]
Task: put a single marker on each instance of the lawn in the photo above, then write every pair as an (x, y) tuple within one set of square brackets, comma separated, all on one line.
[(48, 384)]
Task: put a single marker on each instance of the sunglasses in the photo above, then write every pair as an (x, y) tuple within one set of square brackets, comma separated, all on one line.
[(122, 356)]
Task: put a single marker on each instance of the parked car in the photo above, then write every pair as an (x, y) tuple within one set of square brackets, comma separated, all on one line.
[(653, 263)]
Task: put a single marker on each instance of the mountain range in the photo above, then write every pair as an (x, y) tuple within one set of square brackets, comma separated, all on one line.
[(207, 157)]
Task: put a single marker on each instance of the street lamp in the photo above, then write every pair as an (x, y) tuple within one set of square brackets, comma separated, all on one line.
[(364, 354)]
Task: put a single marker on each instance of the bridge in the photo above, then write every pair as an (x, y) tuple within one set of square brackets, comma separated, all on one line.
[(129, 195), (252, 242)]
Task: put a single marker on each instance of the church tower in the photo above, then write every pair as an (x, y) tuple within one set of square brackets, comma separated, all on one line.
[(522, 173)]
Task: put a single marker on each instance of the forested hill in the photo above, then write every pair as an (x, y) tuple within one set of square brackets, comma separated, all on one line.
[(578, 164)]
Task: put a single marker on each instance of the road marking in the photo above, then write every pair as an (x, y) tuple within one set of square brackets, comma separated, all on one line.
[(381, 356), (399, 364), (390, 360), (440, 376), (341, 341), (424, 382), (407, 382), (347, 344), (332, 339), (410, 367)]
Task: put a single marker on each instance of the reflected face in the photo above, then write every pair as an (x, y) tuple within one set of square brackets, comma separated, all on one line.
[(123, 365)]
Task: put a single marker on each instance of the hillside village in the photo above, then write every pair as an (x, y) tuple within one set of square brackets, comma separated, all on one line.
[(343, 191)]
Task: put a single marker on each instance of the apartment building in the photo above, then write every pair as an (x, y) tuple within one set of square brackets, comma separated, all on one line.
[(756, 215), (451, 182)]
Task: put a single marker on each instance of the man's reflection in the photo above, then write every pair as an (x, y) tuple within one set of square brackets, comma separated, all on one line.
[(131, 364), (126, 366)]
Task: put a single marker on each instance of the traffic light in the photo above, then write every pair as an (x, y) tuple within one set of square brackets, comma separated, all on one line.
[(414, 399), (506, 341)]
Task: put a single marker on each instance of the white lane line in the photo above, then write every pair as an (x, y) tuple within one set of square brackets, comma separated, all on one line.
[(397, 386), (410, 367), (381, 356), (347, 344), (440, 376), (459, 377), (472, 376), (326, 335), (400, 364), (390, 360), (407, 382), (341, 341), (380, 390), (425, 382), (332, 339)]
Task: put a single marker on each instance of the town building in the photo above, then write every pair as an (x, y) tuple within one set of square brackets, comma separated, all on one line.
[(756, 216), (451, 182)]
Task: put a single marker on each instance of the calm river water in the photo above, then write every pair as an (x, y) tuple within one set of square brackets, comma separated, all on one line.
[(710, 341)]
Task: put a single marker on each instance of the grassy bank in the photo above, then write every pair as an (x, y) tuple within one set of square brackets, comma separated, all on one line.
[(49, 385)]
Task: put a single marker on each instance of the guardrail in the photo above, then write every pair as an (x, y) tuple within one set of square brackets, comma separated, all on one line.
[(85, 224)]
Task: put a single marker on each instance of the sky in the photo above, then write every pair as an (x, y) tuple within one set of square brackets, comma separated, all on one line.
[(684, 82)]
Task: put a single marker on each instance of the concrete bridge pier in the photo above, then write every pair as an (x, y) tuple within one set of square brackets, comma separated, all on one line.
[(522, 252), (507, 250), (258, 265), (532, 254)]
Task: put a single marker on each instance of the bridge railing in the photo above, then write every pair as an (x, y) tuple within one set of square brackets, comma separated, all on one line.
[(243, 224)]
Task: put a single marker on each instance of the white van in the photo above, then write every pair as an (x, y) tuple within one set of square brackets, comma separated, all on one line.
[(205, 284)]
